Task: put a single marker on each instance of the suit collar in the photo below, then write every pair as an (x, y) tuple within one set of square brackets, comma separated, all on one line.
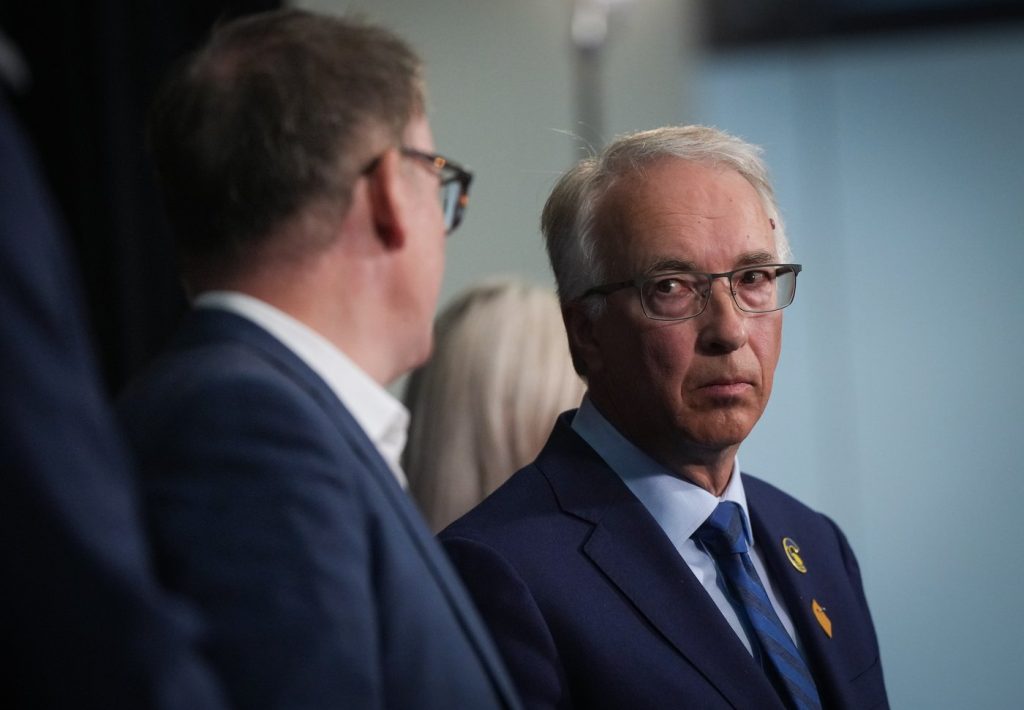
[(662, 588), (677, 505), (384, 419), (210, 325)]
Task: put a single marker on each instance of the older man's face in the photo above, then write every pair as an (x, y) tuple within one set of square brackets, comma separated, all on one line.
[(689, 386)]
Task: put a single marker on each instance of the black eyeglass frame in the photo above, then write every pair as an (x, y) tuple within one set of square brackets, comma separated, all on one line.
[(640, 281), (448, 171)]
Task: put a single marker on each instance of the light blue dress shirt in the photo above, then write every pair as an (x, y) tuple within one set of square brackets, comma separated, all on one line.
[(679, 507)]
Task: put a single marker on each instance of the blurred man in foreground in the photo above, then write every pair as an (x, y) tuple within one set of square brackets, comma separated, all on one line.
[(299, 174), (84, 623), (632, 564)]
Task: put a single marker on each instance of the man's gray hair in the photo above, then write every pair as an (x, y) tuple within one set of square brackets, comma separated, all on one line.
[(568, 220)]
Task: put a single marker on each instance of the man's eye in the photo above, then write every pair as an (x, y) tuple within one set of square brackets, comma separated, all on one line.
[(674, 287), (755, 277), (669, 287)]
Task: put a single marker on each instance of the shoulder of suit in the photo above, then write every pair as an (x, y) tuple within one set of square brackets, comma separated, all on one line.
[(216, 359), (522, 497)]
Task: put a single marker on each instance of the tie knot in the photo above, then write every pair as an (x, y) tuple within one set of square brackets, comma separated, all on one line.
[(722, 532)]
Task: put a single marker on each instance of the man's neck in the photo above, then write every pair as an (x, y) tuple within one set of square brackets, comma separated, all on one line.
[(707, 467), (316, 300)]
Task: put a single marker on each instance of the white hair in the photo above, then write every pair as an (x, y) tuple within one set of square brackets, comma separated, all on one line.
[(486, 401), (569, 215)]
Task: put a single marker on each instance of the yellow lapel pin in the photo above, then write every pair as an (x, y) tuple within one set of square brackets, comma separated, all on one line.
[(822, 617), (793, 553)]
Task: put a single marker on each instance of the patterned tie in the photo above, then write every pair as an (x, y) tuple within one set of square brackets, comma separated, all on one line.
[(722, 536)]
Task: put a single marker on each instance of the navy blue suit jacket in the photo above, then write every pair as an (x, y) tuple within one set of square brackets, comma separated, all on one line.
[(83, 624), (592, 606), (270, 508)]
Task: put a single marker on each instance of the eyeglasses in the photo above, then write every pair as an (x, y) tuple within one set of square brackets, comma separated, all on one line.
[(455, 181), (454, 178), (680, 295)]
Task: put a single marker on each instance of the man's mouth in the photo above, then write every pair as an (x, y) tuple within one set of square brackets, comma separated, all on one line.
[(726, 388)]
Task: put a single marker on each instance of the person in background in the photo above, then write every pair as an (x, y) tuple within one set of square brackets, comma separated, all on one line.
[(486, 400), (632, 564), (310, 210), (85, 623)]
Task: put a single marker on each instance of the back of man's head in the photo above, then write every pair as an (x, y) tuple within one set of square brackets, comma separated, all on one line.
[(273, 121)]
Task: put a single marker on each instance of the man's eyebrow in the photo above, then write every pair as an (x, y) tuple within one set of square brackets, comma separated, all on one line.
[(755, 258), (670, 265)]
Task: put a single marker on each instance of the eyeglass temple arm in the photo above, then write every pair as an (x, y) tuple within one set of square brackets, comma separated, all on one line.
[(605, 289)]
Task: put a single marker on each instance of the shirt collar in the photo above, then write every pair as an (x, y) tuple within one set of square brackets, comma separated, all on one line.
[(384, 419), (679, 507)]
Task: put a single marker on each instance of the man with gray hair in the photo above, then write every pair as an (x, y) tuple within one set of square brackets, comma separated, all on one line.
[(632, 564), (310, 210)]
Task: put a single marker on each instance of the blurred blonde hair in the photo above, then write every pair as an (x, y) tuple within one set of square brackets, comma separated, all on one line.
[(484, 404)]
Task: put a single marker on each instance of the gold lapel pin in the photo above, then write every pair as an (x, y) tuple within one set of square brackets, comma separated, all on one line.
[(793, 553), (822, 617)]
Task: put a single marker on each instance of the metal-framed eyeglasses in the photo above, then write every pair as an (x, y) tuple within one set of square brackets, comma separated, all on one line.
[(455, 181), (680, 295)]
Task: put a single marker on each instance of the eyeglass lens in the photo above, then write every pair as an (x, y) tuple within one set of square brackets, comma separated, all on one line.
[(451, 192), (758, 289)]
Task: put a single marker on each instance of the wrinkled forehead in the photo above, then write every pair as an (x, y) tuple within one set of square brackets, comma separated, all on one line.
[(703, 216)]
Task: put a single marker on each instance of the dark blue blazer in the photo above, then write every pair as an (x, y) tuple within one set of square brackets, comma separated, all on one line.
[(83, 623), (592, 606), (272, 511)]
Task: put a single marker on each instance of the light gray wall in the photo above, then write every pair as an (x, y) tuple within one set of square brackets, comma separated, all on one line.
[(898, 164)]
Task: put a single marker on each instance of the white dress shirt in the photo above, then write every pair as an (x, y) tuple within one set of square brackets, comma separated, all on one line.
[(679, 507), (384, 419)]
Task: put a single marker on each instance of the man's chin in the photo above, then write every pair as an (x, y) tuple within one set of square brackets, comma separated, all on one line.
[(720, 428)]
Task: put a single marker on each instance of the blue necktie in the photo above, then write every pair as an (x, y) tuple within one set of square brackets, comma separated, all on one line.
[(722, 536)]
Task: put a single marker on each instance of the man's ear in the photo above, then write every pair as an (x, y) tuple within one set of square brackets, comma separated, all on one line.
[(583, 347), (386, 194)]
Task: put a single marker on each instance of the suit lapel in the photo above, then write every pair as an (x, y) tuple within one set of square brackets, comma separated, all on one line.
[(772, 522), (634, 553), (207, 322)]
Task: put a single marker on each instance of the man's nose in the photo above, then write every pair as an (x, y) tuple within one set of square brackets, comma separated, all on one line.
[(723, 326)]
